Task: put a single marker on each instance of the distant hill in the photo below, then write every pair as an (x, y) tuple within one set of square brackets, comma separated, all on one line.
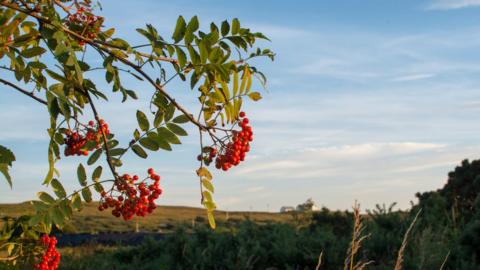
[(163, 219)]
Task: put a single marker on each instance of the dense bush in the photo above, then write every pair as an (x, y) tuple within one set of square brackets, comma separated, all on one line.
[(449, 224)]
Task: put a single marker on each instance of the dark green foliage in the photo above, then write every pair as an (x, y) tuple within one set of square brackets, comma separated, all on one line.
[(450, 222)]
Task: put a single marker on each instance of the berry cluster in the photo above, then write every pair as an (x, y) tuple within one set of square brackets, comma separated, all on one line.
[(133, 198), (85, 23), (209, 153), (76, 141), (51, 258), (234, 151)]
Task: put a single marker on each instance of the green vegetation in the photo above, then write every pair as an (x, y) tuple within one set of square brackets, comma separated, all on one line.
[(446, 233)]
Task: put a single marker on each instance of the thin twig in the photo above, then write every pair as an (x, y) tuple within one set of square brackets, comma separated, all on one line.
[(25, 92), (104, 137)]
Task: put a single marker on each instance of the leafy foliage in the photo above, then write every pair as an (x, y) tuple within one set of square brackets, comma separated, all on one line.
[(438, 238), (46, 45)]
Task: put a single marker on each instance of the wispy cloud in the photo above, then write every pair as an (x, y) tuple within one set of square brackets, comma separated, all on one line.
[(307, 161), (413, 77), (452, 4)]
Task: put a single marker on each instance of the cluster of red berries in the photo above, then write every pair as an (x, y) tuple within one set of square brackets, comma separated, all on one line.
[(51, 257), (134, 198), (209, 153), (85, 23), (234, 151), (76, 141)]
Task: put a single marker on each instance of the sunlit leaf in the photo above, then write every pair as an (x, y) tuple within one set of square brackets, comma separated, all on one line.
[(82, 175)]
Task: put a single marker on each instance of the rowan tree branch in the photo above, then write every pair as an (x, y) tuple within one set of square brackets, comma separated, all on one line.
[(34, 14), (104, 136), (95, 43), (25, 92)]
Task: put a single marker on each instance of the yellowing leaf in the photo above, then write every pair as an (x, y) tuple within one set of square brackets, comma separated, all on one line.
[(255, 96), (204, 172), (208, 185), (235, 83), (211, 220)]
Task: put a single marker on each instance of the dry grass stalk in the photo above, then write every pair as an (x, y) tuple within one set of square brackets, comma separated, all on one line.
[(319, 261), (401, 251), (357, 239), (445, 261)]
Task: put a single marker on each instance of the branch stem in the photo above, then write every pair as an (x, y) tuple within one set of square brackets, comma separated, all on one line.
[(25, 92)]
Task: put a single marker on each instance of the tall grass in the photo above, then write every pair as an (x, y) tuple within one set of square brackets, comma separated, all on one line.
[(357, 239), (401, 251)]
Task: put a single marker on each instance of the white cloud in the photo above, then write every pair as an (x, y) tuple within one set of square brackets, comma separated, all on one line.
[(413, 77), (331, 160), (452, 4)]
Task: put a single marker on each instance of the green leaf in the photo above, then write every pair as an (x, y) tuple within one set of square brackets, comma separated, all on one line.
[(255, 96), (87, 194), (32, 52), (39, 206), (76, 201), (139, 151), (56, 76), (82, 175), (162, 143), (181, 119), (180, 28), (117, 151), (94, 157), (203, 52), (136, 134), (235, 26), (142, 121), (4, 171), (45, 197), (225, 28), (158, 118), (98, 187), (167, 135), (117, 162), (194, 57), (177, 129), (6, 160), (193, 24), (182, 57), (6, 156), (35, 220), (58, 188), (66, 208), (97, 173), (57, 216), (169, 112), (149, 144)]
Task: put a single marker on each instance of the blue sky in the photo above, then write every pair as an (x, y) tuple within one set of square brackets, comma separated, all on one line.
[(367, 100)]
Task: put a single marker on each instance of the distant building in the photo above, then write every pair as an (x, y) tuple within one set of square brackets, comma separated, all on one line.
[(308, 205), (285, 209)]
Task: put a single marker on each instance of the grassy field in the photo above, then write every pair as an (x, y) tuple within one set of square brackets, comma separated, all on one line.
[(163, 219)]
